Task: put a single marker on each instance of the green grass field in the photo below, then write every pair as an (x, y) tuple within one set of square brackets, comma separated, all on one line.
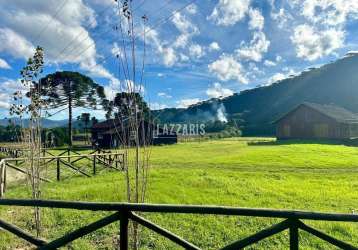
[(235, 172)]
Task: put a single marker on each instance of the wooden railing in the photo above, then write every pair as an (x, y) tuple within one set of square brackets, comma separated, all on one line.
[(110, 160), (124, 212)]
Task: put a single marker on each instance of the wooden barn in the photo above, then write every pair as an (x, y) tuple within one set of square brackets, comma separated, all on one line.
[(316, 121), (113, 133)]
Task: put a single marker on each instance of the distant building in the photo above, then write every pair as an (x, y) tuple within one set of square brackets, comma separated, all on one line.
[(113, 133), (316, 121)]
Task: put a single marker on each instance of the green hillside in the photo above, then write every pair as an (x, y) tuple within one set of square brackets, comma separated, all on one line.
[(335, 83)]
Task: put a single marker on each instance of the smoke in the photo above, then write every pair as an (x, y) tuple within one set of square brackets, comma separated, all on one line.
[(210, 112), (221, 113)]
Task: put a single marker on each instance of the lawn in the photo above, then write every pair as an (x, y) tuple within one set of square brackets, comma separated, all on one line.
[(245, 172)]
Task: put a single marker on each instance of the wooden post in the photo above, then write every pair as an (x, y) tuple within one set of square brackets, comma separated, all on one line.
[(16, 155), (123, 234), (294, 235), (94, 165), (1, 178), (4, 178), (58, 169)]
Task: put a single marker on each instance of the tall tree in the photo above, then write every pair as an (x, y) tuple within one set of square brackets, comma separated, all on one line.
[(84, 118), (127, 104), (71, 90)]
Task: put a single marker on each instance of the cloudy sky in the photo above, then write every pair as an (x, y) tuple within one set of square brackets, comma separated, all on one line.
[(195, 50)]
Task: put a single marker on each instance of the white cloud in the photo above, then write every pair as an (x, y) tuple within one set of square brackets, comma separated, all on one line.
[(281, 17), (229, 12), (7, 88), (214, 46), (192, 9), (217, 91), (187, 102), (227, 68), (183, 24), (62, 35), (169, 56), (157, 106), (181, 41), (164, 95), (255, 50), (330, 12), (276, 77), (4, 64), (183, 58), (269, 63), (117, 86), (280, 76), (195, 50), (256, 19), (312, 44), (4, 101), (14, 44), (116, 51)]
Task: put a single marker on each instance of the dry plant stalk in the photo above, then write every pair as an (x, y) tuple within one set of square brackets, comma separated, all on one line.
[(134, 130), (31, 136)]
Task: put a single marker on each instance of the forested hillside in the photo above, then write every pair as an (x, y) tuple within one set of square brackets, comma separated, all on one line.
[(335, 83)]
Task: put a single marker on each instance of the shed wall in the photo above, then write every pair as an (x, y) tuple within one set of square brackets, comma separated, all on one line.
[(306, 123)]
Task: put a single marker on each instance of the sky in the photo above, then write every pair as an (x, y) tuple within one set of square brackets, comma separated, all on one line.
[(192, 50)]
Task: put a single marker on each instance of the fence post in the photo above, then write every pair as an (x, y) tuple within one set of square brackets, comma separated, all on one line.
[(94, 165), (123, 233), (1, 178), (293, 235), (58, 169)]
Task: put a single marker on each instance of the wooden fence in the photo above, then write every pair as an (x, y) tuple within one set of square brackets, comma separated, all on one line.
[(124, 212), (109, 160)]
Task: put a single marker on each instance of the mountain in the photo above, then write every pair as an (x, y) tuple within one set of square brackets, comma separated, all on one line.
[(334, 83), (47, 123)]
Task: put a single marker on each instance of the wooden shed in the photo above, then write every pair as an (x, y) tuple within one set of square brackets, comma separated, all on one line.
[(316, 121), (113, 133)]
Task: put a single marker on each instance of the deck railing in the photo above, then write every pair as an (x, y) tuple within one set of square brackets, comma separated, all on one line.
[(124, 212)]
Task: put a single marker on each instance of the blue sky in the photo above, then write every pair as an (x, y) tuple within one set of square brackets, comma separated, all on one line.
[(210, 48)]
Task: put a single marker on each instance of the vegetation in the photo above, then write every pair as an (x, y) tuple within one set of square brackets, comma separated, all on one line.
[(70, 90), (261, 106), (245, 172)]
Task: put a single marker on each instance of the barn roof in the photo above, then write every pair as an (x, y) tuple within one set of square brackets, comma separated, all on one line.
[(106, 124), (339, 114)]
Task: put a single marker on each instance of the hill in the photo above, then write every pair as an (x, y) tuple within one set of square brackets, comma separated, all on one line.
[(334, 83), (47, 123)]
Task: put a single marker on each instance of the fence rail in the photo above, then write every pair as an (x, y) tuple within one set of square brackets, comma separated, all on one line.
[(124, 212), (109, 160)]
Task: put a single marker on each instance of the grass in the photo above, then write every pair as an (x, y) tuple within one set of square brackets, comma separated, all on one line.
[(236, 172)]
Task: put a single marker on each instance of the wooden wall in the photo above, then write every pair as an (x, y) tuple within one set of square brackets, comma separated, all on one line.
[(307, 123)]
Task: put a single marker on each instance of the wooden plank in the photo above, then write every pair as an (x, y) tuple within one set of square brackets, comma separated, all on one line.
[(123, 233), (74, 168), (25, 172), (167, 234), (63, 157), (183, 209), (252, 239), (326, 237), (294, 242), (21, 233), (78, 233)]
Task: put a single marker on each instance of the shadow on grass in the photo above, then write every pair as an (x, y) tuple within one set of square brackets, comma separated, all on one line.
[(346, 142)]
